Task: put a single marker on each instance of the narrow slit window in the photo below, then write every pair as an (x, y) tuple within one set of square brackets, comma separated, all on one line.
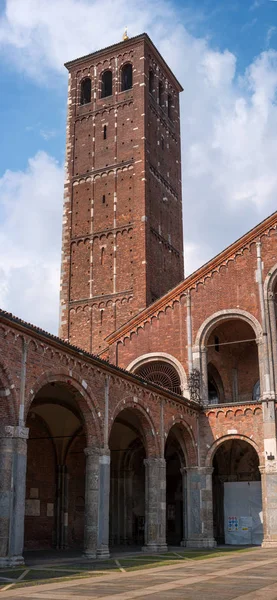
[(102, 256), (85, 91), (103, 199), (127, 77), (151, 82), (105, 132), (107, 84), (101, 316), (161, 92), (169, 106)]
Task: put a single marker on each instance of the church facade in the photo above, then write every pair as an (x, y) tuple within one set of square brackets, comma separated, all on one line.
[(151, 420)]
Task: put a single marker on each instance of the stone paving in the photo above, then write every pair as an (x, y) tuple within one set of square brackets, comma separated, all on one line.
[(250, 575)]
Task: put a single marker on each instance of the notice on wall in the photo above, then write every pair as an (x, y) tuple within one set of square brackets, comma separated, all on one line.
[(233, 523), (245, 523)]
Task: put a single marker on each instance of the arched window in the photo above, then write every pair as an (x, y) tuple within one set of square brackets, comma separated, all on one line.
[(126, 77), (107, 84), (151, 82), (161, 373), (85, 91)]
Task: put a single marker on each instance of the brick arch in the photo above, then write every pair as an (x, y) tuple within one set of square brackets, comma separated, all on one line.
[(152, 444), (225, 438), (86, 403), (165, 357), (225, 315), (186, 440), (8, 396)]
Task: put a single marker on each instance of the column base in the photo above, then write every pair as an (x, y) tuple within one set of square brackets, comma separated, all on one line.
[(103, 552), (269, 544), (154, 548), (88, 554), (201, 543), (11, 561)]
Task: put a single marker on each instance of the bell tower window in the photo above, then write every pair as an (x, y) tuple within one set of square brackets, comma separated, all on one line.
[(85, 91), (126, 77), (107, 84)]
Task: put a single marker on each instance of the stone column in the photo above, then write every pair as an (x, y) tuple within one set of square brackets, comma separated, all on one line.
[(91, 502), (199, 508), (104, 503), (155, 505), (128, 506), (183, 471), (13, 462), (269, 499)]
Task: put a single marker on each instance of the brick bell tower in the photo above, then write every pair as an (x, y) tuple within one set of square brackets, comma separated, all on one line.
[(122, 226)]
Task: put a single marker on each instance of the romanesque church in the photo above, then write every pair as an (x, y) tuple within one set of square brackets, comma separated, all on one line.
[(151, 420)]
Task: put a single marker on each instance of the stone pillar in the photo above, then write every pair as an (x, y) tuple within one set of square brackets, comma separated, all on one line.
[(13, 462), (185, 505), (269, 499), (128, 506), (155, 505), (91, 502), (104, 503), (199, 508)]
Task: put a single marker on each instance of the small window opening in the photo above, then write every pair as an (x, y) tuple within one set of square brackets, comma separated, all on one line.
[(103, 199), (105, 132), (127, 77), (161, 91), (85, 91), (216, 343), (102, 256), (107, 84), (151, 82), (169, 106), (101, 316)]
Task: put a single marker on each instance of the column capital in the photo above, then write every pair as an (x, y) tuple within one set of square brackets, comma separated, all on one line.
[(13, 431)]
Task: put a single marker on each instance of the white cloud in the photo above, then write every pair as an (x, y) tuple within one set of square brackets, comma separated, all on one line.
[(30, 234), (229, 123)]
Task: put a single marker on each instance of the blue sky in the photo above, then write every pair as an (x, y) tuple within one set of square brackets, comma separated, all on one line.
[(224, 52)]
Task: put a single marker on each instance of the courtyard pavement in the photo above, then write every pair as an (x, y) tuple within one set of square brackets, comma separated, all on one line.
[(249, 575)]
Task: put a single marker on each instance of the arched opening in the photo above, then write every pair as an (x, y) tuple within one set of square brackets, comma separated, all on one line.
[(162, 373), (175, 492), (126, 77), (85, 97), (55, 482), (237, 496), (232, 359), (215, 386), (127, 488), (107, 84)]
